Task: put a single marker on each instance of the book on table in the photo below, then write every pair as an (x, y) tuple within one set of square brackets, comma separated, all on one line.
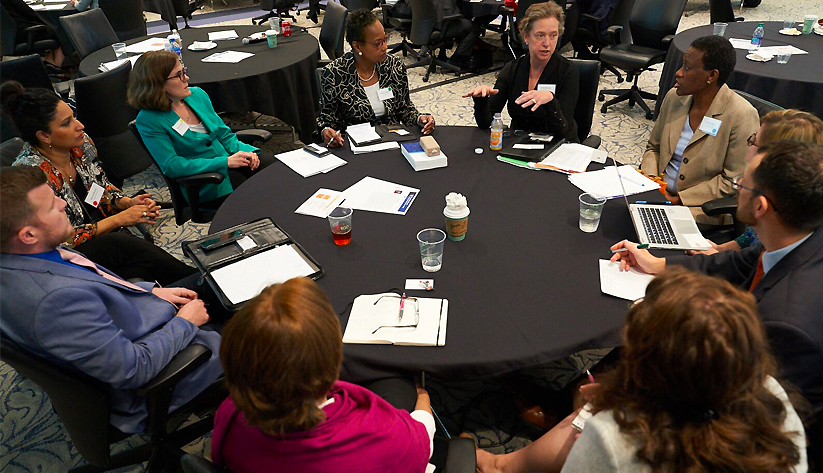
[(418, 158), (379, 319)]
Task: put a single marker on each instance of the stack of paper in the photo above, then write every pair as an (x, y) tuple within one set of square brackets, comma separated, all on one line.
[(376, 195), (376, 319), (372, 148), (629, 285), (57, 6), (321, 203), (108, 66), (227, 56), (572, 157), (607, 184), (419, 160), (221, 35), (362, 133), (151, 44), (306, 164)]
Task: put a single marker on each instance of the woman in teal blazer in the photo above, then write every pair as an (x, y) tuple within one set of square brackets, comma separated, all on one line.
[(182, 131)]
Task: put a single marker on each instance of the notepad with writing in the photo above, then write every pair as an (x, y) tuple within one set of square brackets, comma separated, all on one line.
[(377, 319)]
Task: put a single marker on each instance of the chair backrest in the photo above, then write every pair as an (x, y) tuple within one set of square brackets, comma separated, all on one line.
[(621, 15), (353, 5), (81, 402), (126, 17), (653, 20), (102, 108), (9, 150), (589, 73), (762, 106), (424, 19), (28, 71), (8, 33), (573, 14), (88, 31), (331, 33), (721, 10)]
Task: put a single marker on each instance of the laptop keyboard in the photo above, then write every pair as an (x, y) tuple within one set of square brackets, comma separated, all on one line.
[(657, 226)]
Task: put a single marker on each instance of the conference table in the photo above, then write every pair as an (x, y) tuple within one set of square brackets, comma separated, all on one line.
[(280, 82), (50, 14), (523, 287), (797, 84)]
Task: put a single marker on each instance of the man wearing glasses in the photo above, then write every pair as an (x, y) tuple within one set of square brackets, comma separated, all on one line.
[(781, 195)]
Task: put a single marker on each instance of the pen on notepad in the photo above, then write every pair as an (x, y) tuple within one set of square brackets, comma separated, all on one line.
[(591, 378), (402, 305), (641, 246), (654, 203)]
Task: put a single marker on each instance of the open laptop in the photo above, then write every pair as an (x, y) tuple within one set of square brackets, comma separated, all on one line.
[(667, 227)]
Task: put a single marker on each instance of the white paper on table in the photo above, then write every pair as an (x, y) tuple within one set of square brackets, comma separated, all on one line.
[(419, 284), (606, 183), (740, 43), (151, 44), (776, 50), (362, 133), (49, 7), (629, 285), (306, 164), (370, 311), (321, 203), (572, 157), (108, 66), (372, 148), (248, 277), (376, 195), (221, 35), (64, 2), (227, 56)]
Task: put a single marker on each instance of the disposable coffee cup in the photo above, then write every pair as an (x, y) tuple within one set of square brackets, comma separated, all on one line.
[(457, 222), (271, 38)]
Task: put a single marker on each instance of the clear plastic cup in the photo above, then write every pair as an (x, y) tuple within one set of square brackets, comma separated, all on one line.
[(431, 241), (720, 29), (783, 58), (340, 223), (120, 50), (591, 208)]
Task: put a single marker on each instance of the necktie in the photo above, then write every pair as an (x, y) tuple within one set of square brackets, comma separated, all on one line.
[(81, 260), (758, 273)]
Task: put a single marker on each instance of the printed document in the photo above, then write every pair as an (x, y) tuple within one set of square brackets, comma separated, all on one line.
[(221, 35), (108, 66), (151, 44), (573, 157), (376, 195), (232, 57), (376, 319), (321, 203), (382, 146), (629, 285), (606, 183), (306, 164)]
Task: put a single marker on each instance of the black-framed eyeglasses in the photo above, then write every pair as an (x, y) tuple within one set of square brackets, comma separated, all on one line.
[(752, 139), (179, 75), (735, 181), (401, 310), (377, 44)]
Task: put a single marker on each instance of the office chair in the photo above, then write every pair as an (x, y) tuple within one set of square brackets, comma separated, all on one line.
[(184, 9), (126, 17), (30, 72), (332, 31), (82, 403), (590, 39), (512, 39), (89, 31), (38, 38), (403, 26), (352, 5), (9, 150), (589, 73), (275, 8), (424, 19), (722, 11), (653, 24), (573, 15)]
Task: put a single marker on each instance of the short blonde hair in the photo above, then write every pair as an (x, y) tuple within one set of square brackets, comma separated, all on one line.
[(792, 125), (539, 11), (147, 81)]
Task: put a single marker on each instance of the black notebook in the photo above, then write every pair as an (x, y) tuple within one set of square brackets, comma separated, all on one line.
[(530, 147)]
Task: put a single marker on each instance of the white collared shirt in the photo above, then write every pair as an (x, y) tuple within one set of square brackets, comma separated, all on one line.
[(771, 258)]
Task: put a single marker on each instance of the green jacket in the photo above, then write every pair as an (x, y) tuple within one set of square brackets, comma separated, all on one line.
[(191, 153)]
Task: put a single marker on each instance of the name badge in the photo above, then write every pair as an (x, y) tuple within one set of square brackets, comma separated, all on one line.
[(546, 88), (181, 127), (94, 195), (385, 94), (710, 126)]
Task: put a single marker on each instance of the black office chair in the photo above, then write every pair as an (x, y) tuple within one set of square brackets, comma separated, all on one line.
[(424, 19), (38, 38), (403, 26), (512, 39), (83, 405), (331, 33), (126, 18), (276, 9), (589, 73), (30, 73), (89, 31), (571, 10), (9, 150), (590, 39), (722, 11), (184, 9), (352, 5), (653, 24)]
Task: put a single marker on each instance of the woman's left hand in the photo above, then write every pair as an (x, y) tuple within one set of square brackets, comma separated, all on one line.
[(254, 161), (143, 199), (534, 99), (427, 122)]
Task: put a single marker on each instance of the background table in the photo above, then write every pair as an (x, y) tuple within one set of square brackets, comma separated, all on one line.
[(798, 84), (523, 287), (52, 19), (279, 82)]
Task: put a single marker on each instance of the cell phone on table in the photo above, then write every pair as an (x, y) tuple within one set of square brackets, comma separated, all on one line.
[(316, 149)]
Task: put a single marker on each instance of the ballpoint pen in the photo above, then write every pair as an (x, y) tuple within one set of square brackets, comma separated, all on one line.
[(402, 305), (641, 246), (591, 378)]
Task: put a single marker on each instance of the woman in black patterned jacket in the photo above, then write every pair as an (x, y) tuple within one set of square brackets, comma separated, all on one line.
[(366, 84)]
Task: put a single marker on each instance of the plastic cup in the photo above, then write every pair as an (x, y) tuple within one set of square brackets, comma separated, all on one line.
[(271, 38), (720, 29), (431, 241), (788, 24), (274, 24), (120, 50), (591, 208), (457, 223), (340, 223), (783, 58), (808, 23)]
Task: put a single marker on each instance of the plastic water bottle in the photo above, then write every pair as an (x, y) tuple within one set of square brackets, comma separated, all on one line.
[(757, 38), (496, 141), (176, 44)]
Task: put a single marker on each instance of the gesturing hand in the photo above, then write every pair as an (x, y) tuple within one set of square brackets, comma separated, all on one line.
[(534, 99), (481, 91)]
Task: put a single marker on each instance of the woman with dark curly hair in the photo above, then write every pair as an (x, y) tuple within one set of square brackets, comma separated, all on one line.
[(366, 84)]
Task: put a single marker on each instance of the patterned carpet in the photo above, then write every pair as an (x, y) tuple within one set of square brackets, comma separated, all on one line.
[(32, 438)]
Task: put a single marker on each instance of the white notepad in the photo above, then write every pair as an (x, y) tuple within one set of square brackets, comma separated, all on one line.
[(371, 323), (629, 285)]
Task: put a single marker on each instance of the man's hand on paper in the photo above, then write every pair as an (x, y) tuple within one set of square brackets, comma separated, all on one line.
[(634, 257), (176, 295)]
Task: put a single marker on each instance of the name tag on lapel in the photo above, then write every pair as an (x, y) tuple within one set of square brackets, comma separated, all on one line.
[(385, 94), (181, 127), (710, 126), (547, 88), (94, 194)]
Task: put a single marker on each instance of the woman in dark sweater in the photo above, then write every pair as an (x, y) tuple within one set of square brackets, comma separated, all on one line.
[(540, 87)]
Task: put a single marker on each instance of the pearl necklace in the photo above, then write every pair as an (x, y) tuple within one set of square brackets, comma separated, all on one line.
[(373, 70)]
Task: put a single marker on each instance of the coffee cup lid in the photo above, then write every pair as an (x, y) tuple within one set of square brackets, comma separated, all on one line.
[(455, 213)]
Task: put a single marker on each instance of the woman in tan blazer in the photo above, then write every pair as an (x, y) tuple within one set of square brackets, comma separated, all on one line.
[(700, 134)]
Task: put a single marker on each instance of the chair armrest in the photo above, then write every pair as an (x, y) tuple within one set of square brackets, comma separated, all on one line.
[(461, 457), (507, 10), (253, 136), (32, 32), (668, 39), (721, 206), (180, 366), (592, 141), (200, 179)]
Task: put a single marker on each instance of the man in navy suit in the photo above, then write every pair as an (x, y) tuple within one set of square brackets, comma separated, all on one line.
[(63, 307)]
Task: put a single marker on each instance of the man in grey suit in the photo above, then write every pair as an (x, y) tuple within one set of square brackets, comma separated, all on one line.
[(781, 195), (63, 307)]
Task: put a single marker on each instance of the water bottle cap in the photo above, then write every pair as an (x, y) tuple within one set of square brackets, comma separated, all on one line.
[(496, 115), (760, 24)]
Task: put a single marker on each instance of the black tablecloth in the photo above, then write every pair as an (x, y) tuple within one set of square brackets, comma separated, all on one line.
[(52, 19), (279, 82), (523, 287), (798, 84)]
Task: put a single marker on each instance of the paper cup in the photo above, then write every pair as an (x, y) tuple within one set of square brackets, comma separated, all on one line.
[(457, 223)]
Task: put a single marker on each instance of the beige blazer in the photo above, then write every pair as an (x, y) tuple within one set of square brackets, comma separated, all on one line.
[(706, 158)]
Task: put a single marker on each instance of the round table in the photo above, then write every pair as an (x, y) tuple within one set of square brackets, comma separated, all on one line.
[(523, 287), (279, 82), (798, 84), (52, 19)]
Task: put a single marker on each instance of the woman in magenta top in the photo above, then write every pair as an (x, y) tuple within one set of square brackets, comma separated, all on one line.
[(287, 412)]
